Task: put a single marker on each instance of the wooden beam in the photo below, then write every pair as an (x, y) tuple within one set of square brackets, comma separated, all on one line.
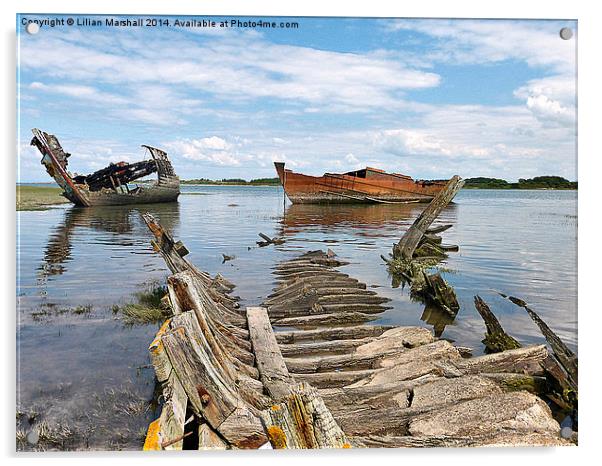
[(408, 242), (272, 369)]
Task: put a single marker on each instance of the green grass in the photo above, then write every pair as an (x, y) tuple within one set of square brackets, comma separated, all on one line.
[(38, 197), (148, 308)]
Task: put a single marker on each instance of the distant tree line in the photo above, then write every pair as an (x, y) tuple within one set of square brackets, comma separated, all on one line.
[(539, 182), (234, 181)]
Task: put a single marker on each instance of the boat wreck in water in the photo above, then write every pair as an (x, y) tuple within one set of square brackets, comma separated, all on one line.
[(369, 185), (109, 186)]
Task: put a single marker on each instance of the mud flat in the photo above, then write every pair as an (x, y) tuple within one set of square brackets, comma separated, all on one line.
[(38, 197)]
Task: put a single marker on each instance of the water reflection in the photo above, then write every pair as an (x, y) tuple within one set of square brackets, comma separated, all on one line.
[(377, 225), (298, 217), (437, 317), (120, 221)]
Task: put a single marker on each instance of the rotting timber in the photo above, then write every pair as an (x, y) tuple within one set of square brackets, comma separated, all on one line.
[(110, 185), (421, 248), (305, 370)]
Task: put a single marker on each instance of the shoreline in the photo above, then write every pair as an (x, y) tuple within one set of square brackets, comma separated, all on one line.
[(33, 197), (30, 198)]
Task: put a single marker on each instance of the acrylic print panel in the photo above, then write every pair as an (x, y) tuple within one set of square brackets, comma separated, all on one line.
[(206, 213)]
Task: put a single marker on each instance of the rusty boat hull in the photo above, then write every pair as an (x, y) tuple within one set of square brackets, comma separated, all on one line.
[(111, 185), (369, 185)]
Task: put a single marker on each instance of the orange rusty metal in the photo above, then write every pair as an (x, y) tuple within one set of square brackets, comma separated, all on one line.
[(369, 185)]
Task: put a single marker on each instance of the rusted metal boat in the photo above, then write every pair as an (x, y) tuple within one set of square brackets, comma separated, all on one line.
[(369, 185), (109, 186)]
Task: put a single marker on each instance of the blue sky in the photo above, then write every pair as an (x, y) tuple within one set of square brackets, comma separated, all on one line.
[(429, 98)]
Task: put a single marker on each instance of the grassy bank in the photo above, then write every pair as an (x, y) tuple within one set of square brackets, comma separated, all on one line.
[(234, 182), (38, 197)]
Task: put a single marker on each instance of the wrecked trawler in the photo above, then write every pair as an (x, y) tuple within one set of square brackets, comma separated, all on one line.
[(109, 186), (368, 185)]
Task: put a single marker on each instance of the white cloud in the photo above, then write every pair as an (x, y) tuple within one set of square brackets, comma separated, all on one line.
[(350, 158), (87, 93), (551, 100), (211, 149), (406, 142), (231, 67), (486, 41)]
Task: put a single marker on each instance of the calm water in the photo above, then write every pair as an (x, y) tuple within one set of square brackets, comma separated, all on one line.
[(84, 368)]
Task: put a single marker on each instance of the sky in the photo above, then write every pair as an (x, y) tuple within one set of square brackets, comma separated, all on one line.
[(429, 98)]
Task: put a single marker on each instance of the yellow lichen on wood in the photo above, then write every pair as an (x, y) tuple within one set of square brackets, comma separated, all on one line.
[(302, 421), (156, 345), (277, 437), (152, 441)]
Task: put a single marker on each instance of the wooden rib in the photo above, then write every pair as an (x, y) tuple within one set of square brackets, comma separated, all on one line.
[(325, 319), (335, 333), (333, 379), (330, 347)]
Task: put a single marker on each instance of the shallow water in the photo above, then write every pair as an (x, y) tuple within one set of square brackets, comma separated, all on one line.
[(85, 368)]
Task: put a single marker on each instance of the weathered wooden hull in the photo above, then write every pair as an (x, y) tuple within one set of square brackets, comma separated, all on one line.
[(109, 186), (152, 194), (365, 186)]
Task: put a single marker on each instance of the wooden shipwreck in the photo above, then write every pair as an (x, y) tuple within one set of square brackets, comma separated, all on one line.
[(109, 186), (369, 185), (307, 370)]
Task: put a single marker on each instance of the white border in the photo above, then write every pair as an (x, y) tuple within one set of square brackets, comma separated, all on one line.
[(590, 24)]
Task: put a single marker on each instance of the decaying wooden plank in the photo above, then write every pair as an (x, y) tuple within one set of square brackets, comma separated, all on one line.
[(272, 369), (340, 318), (338, 362), (334, 333), (333, 379), (526, 359), (158, 356), (322, 347), (302, 421), (209, 439), (173, 414), (210, 395), (152, 441), (501, 439)]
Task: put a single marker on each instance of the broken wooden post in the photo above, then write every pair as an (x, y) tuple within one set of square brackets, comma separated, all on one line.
[(409, 241), (496, 339), (436, 290), (561, 365), (267, 240), (420, 248), (303, 421)]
